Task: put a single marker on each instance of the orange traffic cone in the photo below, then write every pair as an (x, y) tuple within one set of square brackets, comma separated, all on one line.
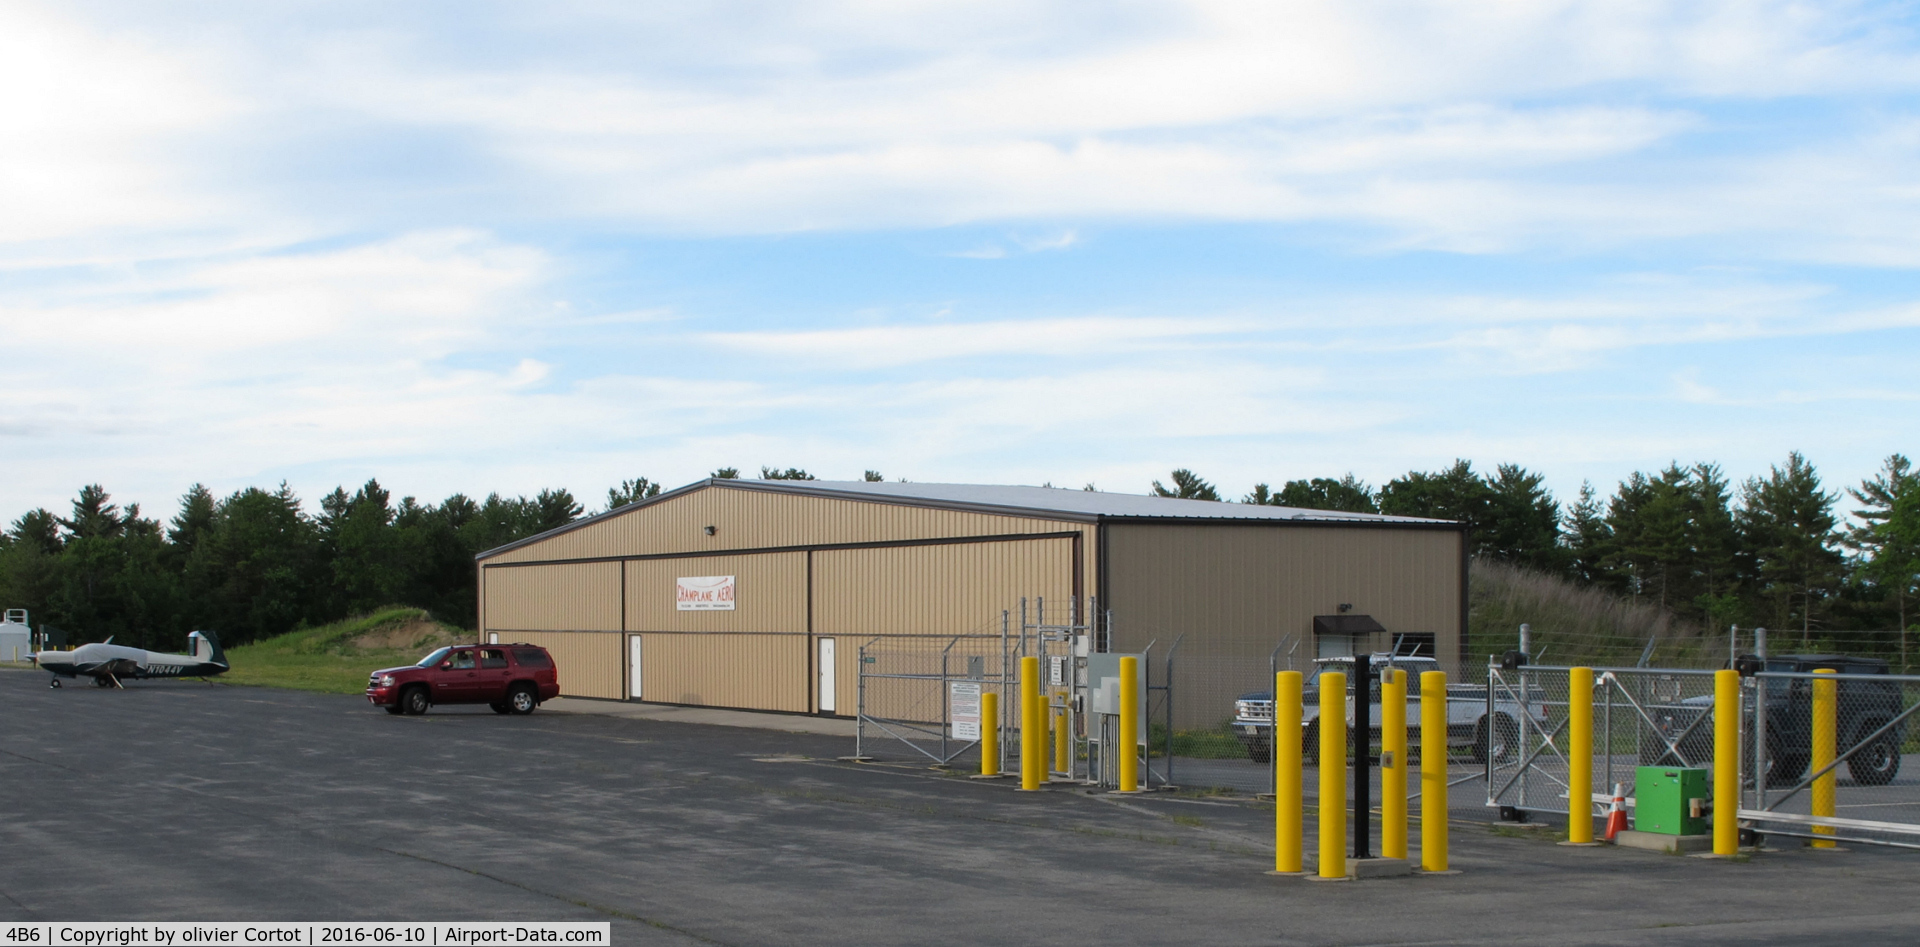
[(1617, 816)]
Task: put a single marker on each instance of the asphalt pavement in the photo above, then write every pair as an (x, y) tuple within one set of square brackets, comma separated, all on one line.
[(186, 801)]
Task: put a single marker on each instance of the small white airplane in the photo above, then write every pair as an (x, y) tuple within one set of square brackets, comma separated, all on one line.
[(107, 663)]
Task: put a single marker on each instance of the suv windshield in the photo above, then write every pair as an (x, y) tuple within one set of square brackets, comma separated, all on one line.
[(434, 658)]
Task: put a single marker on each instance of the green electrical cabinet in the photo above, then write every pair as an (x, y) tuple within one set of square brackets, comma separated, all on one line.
[(1665, 800)]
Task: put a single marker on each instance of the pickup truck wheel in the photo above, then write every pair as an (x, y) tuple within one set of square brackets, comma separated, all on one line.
[(1259, 752), (394, 708), (414, 701), (1877, 763), (1500, 744), (522, 699), (500, 707)]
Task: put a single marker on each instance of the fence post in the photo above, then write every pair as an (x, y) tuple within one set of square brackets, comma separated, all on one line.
[(1433, 771), (1580, 756), (1726, 762), (1826, 742), (1288, 824), (1062, 743), (1333, 774), (1030, 723), (1393, 764), (1129, 724), (989, 733)]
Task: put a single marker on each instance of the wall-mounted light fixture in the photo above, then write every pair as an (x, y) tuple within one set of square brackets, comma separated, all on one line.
[(711, 530), (1344, 606)]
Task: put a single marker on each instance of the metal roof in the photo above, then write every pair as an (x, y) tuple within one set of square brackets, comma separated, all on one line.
[(1074, 503), (1050, 502)]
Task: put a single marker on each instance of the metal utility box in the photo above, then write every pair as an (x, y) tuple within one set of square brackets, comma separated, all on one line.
[(1671, 800)]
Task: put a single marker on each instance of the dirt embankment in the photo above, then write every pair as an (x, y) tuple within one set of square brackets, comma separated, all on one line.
[(413, 634)]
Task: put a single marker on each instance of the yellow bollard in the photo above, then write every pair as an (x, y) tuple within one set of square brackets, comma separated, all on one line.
[(1129, 724), (1062, 743), (1031, 722), (1826, 743), (1393, 765), (1726, 762), (1288, 825), (1580, 756), (989, 734), (1433, 771), (1333, 774)]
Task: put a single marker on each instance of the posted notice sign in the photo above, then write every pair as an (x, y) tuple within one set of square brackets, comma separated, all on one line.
[(963, 708), (703, 593)]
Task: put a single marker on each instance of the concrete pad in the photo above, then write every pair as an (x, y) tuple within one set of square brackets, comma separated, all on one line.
[(1657, 842), (634, 710), (1365, 868)]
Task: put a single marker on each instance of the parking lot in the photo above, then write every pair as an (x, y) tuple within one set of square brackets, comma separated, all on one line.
[(179, 800)]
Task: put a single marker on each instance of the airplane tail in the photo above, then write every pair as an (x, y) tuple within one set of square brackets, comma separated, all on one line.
[(206, 647)]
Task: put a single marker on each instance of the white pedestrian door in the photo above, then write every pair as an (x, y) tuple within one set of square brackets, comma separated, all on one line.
[(633, 664), (826, 676)]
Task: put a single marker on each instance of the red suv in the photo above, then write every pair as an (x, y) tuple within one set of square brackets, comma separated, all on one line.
[(510, 678)]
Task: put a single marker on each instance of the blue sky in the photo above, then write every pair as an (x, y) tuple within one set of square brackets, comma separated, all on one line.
[(485, 247)]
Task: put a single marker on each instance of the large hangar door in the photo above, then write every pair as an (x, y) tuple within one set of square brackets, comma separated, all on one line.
[(935, 589)]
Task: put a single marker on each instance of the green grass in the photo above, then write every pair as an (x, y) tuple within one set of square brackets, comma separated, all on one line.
[(337, 658)]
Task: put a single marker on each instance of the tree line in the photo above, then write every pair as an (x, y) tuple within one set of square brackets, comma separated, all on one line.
[(1773, 550), (259, 563)]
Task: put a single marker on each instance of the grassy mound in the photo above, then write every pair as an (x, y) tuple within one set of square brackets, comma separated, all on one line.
[(337, 658), (1577, 624)]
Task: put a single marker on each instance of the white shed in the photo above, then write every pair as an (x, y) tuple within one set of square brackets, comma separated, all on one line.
[(16, 641)]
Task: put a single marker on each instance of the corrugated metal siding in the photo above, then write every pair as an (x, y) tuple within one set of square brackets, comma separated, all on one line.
[(589, 662), (1237, 592), (578, 597), (935, 590), (755, 672), (752, 519), (770, 593)]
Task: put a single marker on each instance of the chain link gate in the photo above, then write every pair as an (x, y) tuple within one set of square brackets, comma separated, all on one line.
[(907, 690), (1665, 717), (1641, 717)]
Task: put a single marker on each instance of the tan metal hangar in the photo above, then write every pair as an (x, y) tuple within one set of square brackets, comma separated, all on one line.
[(757, 594)]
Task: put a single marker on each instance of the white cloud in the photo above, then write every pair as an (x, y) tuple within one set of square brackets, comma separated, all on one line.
[(879, 346)]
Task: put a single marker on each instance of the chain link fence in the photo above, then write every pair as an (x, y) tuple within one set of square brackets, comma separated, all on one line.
[(1870, 764)]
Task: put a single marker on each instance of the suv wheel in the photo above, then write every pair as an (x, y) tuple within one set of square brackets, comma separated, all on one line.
[(1258, 751), (1501, 744), (1876, 763), (500, 707), (415, 701), (522, 700), (394, 708)]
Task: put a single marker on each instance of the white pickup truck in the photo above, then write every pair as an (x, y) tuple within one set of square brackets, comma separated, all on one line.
[(1467, 719)]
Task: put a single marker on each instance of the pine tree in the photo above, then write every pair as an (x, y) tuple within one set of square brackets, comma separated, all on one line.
[(1586, 537), (1888, 538), (1345, 495), (631, 491), (1187, 485), (1787, 524)]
